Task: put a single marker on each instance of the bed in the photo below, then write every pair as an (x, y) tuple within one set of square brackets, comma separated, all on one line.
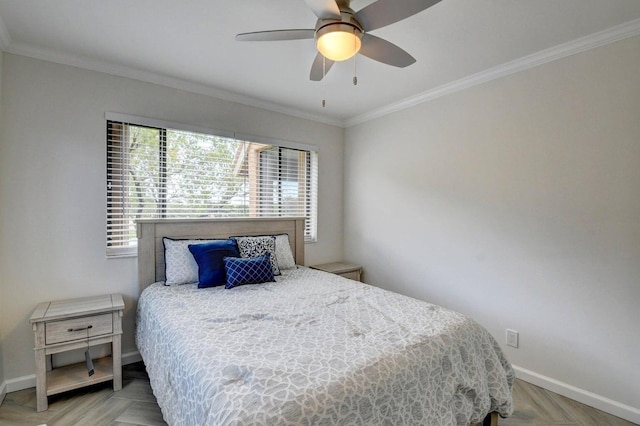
[(308, 348)]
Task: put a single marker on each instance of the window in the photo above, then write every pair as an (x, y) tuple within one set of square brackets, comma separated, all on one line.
[(156, 170)]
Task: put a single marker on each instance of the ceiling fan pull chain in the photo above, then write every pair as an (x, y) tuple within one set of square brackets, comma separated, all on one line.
[(324, 86), (355, 62)]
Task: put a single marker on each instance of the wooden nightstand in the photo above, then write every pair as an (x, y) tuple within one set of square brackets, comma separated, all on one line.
[(346, 270), (65, 325)]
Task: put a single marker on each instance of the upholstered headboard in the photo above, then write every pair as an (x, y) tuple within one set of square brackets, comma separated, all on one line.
[(151, 231)]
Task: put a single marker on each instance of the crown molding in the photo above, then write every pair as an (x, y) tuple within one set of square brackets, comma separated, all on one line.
[(602, 38), (162, 80)]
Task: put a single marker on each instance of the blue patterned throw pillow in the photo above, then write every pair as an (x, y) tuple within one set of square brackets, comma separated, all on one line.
[(208, 256), (252, 270)]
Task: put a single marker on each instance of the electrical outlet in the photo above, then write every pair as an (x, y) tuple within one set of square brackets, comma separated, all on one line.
[(512, 338)]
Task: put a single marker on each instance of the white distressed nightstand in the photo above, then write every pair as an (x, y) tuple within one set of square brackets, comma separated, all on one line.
[(346, 270), (65, 325)]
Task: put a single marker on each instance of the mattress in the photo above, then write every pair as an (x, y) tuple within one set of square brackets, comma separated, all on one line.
[(316, 348)]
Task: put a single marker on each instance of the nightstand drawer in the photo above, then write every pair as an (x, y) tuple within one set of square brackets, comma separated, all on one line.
[(346, 270), (78, 328), (353, 275)]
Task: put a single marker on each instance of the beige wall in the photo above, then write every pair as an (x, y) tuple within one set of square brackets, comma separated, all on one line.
[(52, 185), (518, 203)]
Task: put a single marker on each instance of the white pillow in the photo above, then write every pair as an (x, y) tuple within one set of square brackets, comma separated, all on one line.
[(283, 252), (180, 266)]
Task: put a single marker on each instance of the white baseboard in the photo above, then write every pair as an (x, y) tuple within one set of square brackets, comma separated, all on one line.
[(26, 382), (3, 391), (591, 399), (19, 383), (131, 357)]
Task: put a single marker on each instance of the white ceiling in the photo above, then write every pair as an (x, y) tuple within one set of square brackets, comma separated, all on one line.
[(190, 45)]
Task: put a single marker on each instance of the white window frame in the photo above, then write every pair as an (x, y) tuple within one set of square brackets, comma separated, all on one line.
[(311, 206)]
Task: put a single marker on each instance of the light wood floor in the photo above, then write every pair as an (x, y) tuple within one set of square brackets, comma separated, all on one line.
[(136, 405)]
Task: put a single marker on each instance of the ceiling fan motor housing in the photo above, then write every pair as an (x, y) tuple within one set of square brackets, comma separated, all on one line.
[(347, 18)]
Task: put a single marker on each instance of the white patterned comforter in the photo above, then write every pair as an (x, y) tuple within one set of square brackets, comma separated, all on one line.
[(314, 348)]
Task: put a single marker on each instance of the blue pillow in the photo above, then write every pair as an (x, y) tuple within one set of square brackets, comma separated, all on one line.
[(208, 256), (248, 270)]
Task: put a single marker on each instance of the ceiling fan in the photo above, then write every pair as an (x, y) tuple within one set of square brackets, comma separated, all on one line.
[(340, 32)]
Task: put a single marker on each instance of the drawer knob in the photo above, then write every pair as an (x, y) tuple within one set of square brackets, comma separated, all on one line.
[(79, 329)]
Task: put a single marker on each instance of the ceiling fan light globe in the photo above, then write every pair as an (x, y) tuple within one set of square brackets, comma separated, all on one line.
[(338, 42)]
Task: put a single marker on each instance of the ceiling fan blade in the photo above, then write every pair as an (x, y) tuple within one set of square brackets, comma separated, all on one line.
[(386, 12), (316, 69), (276, 35), (324, 9), (386, 52)]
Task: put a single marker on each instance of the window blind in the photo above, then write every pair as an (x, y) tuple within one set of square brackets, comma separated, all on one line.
[(158, 172)]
